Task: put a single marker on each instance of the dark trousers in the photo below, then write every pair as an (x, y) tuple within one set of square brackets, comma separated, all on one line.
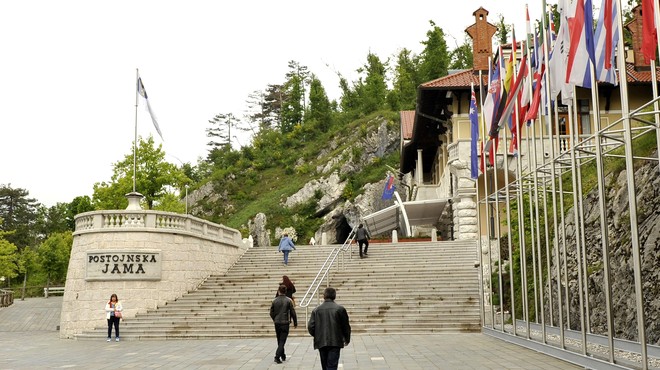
[(366, 245), (113, 321), (329, 357), (282, 333)]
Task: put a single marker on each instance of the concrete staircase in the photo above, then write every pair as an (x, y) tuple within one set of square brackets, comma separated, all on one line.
[(400, 288)]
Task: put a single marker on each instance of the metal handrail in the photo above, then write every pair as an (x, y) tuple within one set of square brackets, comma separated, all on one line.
[(324, 271)]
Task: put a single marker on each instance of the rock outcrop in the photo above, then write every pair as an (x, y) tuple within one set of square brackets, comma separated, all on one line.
[(647, 181)]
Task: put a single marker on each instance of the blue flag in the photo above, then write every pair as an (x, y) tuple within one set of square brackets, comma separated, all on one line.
[(388, 192), (474, 129)]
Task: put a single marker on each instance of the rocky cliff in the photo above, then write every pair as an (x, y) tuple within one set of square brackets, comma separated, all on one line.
[(647, 182)]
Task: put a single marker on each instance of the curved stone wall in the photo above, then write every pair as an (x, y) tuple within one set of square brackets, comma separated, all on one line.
[(146, 257)]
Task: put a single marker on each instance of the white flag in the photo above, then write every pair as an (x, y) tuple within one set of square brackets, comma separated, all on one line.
[(143, 93)]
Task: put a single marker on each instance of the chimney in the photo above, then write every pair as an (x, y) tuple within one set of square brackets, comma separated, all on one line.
[(482, 39), (635, 28)]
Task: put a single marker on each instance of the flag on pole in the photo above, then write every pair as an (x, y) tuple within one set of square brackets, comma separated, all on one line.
[(606, 39), (388, 191), (649, 31), (493, 98), (581, 51), (559, 58), (474, 128), (143, 93)]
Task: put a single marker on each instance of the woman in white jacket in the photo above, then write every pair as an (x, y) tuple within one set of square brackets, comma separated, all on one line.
[(113, 315)]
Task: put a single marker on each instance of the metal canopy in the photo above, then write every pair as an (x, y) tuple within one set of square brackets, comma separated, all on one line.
[(418, 213)]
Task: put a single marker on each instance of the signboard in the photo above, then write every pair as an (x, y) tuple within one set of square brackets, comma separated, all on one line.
[(123, 265)]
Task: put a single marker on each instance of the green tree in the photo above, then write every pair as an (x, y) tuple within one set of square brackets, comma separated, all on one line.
[(434, 57), (54, 255), (350, 101), (220, 130), (154, 178), (20, 214), (80, 204), (406, 79), (8, 256), (503, 30), (293, 106), (461, 57), (320, 111), (373, 91)]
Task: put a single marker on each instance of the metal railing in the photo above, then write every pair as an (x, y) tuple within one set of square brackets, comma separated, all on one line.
[(324, 271)]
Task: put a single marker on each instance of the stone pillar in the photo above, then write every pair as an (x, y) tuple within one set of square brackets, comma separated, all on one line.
[(134, 199), (419, 170), (434, 234), (324, 238), (465, 211), (395, 237)]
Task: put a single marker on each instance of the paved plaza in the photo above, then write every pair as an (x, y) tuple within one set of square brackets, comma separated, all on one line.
[(29, 340)]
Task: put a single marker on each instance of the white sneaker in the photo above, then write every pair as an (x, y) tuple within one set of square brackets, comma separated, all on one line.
[(117, 339), (108, 340)]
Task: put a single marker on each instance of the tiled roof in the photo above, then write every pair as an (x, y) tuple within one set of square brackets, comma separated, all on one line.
[(459, 79), (640, 76), (464, 78), (407, 123)]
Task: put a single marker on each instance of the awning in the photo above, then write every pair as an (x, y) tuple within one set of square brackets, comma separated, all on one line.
[(382, 221), (418, 213)]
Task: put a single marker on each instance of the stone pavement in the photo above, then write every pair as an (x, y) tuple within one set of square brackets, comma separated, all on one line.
[(29, 340)]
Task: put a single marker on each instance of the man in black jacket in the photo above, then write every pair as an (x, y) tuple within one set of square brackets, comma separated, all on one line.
[(362, 237), (329, 326), (282, 312)]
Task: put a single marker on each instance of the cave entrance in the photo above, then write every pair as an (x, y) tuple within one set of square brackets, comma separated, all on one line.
[(343, 230)]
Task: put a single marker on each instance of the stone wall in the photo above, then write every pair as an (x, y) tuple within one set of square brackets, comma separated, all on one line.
[(185, 250)]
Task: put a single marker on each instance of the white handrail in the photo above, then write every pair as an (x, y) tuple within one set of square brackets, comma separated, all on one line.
[(324, 272)]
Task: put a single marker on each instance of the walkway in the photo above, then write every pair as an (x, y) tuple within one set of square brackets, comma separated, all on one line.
[(29, 340)]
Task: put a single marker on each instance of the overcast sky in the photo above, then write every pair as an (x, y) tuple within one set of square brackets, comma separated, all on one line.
[(67, 70)]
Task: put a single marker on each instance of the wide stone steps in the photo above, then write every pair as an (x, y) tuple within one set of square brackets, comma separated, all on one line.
[(399, 288)]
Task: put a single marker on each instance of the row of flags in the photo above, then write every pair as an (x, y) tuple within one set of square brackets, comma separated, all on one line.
[(515, 94)]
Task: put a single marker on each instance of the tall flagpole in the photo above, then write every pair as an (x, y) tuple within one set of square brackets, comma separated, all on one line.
[(137, 76), (632, 195)]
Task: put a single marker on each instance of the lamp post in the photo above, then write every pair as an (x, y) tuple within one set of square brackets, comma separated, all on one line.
[(186, 198)]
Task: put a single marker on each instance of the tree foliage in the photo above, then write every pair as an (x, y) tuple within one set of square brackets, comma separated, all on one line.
[(155, 178), (54, 255), (8, 256), (406, 79), (320, 110), (434, 57), (462, 57), (20, 214), (503, 30), (293, 105)]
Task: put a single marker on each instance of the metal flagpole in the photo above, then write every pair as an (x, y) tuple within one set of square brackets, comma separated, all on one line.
[(137, 77), (546, 49), (476, 187), (602, 207), (654, 83), (632, 195), (578, 247), (562, 213)]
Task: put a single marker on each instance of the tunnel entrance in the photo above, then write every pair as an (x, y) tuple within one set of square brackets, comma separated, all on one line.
[(343, 229)]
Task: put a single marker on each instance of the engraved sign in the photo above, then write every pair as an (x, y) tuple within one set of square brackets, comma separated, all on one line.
[(123, 265)]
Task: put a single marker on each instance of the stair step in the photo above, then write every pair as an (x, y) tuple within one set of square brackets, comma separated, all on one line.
[(399, 288)]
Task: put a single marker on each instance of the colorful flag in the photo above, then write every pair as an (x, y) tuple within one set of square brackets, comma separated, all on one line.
[(388, 191), (474, 128), (559, 58), (492, 103), (143, 93), (581, 51), (606, 39), (649, 31)]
